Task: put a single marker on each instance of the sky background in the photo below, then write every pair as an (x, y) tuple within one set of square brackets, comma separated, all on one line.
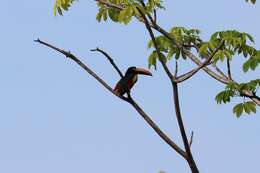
[(55, 118)]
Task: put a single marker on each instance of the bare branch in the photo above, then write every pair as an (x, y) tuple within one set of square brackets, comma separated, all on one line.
[(251, 95), (110, 60), (158, 130), (154, 16), (129, 99), (191, 138), (189, 157), (176, 69), (220, 71), (92, 73), (169, 74), (194, 71), (229, 69)]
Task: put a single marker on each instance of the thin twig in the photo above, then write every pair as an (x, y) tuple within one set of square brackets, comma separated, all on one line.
[(129, 99), (110, 60), (194, 71), (169, 74), (191, 138), (114, 65), (74, 58), (154, 16), (176, 69), (189, 159), (229, 69), (220, 72)]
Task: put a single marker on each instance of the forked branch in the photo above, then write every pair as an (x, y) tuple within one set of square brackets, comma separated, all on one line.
[(127, 99), (205, 63), (189, 157), (110, 60)]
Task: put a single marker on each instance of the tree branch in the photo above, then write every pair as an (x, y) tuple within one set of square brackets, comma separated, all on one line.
[(158, 130), (191, 138), (155, 26), (154, 16), (110, 60), (129, 99), (186, 143), (229, 69), (176, 69), (92, 73), (169, 74), (189, 157), (190, 55), (194, 71)]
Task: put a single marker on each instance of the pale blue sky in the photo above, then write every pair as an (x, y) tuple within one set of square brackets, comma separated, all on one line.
[(55, 118)]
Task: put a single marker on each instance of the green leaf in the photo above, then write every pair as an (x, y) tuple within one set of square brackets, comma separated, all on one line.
[(250, 107), (152, 60), (122, 15), (247, 108), (250, 37), (99, 14), (252, 1), (246, 66), (113, 14), (105, 15), (238, 109), (59, 11), (60, 5)]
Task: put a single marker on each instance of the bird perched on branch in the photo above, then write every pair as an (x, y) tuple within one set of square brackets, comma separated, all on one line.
[(125, 84)]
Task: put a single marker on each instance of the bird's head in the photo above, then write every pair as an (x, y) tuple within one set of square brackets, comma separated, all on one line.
[(135, 70)]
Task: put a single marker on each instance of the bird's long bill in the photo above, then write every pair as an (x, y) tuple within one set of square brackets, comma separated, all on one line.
[(143, 71)]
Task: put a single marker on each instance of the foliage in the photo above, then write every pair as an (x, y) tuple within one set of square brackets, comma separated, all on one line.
[(233, 43), (129, 9), (186, 37), (235, 89), (252, 1), (60, 5)]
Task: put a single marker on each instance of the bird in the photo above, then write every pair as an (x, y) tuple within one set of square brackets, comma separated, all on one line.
[(125, 84)]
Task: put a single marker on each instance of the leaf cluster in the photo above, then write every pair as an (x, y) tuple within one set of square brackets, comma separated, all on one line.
[(60, 5), (246, 107), (235, 89), (235, 42), (252, 1), (186, 37), (129, 10)]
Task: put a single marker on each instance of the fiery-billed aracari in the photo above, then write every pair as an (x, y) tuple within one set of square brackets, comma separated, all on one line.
[(127, 82)]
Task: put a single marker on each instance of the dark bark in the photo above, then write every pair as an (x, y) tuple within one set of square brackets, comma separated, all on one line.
[(189, 157)]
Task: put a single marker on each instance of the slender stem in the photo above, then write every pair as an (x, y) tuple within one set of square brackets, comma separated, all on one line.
[(86, 68), (158, 130), (191, 138), (110, 60), (229, 69), (154, 16), (190, 159), (169, 74), (194, 71)]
